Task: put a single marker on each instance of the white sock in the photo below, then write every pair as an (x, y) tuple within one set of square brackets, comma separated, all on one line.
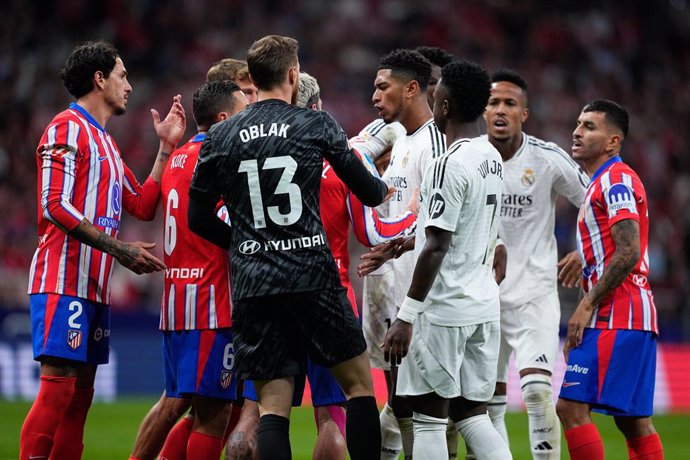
[(452, 440), (429, 434), (407, 435), (497, 412), (544, 427), (481, 436), (391, 443)]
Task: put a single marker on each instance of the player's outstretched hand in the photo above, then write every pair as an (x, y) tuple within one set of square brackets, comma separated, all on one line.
[(413, 204), (570, 270), (576, 325), (136, 257), (500, 263), (378, 255), (397, 342), (172, 128), (390, 193)]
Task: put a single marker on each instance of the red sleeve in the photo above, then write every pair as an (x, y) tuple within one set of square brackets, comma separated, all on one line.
[(140, 201), (370, 229)]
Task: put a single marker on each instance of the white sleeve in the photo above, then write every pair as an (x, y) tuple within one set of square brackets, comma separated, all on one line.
[(569, 179), (445, 183)]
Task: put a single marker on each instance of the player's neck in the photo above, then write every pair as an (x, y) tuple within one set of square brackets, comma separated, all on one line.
[(508, 147), (415, 116), (593, 165), (94, 105), (455, 131), (281, 92)]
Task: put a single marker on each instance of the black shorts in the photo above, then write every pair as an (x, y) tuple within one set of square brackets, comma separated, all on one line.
[(273, 334)]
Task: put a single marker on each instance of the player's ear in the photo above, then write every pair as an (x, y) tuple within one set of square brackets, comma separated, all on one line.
[(412, 88), (99, 79), (222, 116), (525, 114)]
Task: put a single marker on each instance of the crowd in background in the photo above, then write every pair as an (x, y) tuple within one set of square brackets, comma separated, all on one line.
[(570, 52)]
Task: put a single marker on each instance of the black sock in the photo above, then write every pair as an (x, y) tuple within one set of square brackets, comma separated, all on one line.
[(363, 429), (273, 438)]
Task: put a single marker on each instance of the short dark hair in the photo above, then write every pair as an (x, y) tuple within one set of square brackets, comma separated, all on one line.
[(269, 58), (210, 99), (469, 88), (510, 76), (85, 60), (407, 65), (615, 113), (437, 56)]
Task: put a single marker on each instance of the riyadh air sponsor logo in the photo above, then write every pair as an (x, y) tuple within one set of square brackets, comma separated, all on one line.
[(577, 369), (620, 197), (108, 222), (249, 247), (117, 198)]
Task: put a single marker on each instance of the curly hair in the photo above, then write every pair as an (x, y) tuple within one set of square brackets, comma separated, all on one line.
[(309, 92), (615, 113), (469, 88), (211, 98), (437, 56), (85, 60), (407, 65)]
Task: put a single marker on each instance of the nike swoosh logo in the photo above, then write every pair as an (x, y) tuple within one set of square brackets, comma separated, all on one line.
[(102, 158), (570, 384)]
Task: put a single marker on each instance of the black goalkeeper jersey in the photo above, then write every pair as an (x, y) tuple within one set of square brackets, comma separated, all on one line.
[(266, 164)]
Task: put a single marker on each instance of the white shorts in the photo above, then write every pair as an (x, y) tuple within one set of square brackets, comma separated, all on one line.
[(531, 331), (378, 312), (451, 361)]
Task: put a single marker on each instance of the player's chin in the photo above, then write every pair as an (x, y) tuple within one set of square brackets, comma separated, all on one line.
[(121, 109)]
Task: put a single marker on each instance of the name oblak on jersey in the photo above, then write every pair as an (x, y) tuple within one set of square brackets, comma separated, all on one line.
[(257, 131)]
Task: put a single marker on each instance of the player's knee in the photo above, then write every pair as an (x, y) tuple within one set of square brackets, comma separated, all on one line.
[(536, 390)]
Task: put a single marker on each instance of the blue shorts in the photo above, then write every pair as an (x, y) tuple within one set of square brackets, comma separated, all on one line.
[(70, 327), (325, 390), (613, 371), (199, 362)]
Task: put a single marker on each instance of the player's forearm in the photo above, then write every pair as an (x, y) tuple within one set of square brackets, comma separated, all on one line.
[(429, 263), (626, 237), (368, 189), (161, 161), (204, 222), (86, 233)]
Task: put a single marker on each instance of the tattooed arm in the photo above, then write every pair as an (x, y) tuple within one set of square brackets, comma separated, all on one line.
[(626, 237), (133, 256)]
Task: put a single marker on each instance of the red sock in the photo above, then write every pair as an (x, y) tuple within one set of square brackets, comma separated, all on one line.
[(40, 424), (175, 447), (584, 443), (69, 437), (235, 413), (204, 446), (646, 448)]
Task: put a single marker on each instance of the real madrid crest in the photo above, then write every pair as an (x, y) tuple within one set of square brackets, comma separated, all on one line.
[(528, 177), (405, 159)]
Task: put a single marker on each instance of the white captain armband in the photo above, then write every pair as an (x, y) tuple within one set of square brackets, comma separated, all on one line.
[(409, 310)]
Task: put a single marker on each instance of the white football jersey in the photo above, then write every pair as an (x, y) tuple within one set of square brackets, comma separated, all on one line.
[(411, 156), (534, 178), (461, 194)]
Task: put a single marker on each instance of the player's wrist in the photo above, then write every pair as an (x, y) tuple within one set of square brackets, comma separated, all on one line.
[(409, 310)]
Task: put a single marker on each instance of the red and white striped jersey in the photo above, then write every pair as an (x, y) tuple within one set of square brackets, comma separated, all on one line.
[(340, 207), (616, 193), (81, 175), (197, 280)]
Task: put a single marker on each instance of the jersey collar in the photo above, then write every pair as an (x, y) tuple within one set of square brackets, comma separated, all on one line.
[(85, 114), (199, 137), (602, 168)]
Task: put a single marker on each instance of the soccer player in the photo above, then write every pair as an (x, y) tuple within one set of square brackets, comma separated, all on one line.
[(84, 186), (400, 95), (237, 71), (450, 317), (536, 173), (195, 312), (610, 349), (288, 300), (438, 58)]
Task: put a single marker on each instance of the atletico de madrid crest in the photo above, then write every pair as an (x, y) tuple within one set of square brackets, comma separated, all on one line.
[(73, 339), (225, 379)]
